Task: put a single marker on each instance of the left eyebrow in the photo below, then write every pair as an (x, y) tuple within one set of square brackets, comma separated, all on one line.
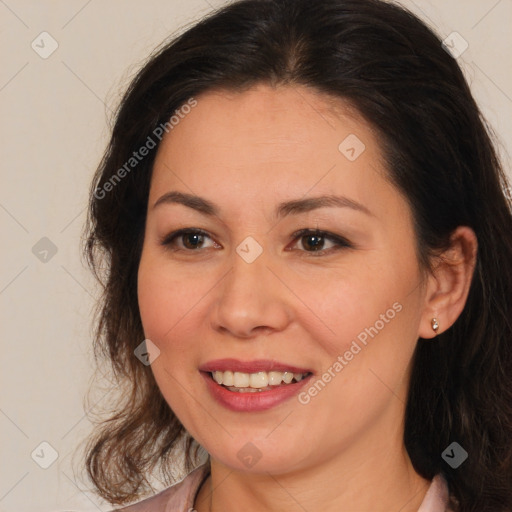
[(306, 205), (293, 207)]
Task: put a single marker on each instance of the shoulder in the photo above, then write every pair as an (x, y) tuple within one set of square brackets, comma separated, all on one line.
[(177, 498)]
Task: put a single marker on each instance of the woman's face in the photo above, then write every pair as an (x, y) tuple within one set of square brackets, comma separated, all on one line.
[(343, 307)]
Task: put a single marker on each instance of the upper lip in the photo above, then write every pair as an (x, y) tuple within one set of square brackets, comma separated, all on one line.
[(257, 365)]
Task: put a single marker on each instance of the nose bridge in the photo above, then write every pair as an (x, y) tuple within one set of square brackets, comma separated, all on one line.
[(250, 296)]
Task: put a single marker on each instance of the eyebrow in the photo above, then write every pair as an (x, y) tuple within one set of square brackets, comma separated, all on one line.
[(284, 209)]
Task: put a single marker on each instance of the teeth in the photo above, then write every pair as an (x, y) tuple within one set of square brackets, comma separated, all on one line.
[(258, 380), (275, 378), (255, 381), (228, 378), (288, 377), (241, 380)]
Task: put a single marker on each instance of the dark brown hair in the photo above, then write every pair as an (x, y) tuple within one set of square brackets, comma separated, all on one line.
[(393, 69)]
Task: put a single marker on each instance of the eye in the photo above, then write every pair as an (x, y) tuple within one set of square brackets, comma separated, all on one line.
[(313, 240), (191, 240)]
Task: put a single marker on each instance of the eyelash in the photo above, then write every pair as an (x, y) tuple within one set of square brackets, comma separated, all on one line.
[(341, 243)]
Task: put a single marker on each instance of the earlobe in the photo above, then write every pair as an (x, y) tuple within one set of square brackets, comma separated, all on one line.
[(430, 326), (449, 284), (434, 324)]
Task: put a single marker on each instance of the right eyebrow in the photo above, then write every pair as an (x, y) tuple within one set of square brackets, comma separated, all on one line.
[(191, 201)]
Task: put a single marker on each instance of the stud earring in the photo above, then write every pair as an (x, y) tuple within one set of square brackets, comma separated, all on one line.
[(435, 325)]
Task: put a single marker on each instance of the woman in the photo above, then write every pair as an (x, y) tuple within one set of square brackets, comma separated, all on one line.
[(307, 239)]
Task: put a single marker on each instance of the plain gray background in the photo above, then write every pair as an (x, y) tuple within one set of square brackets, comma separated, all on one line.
[(54, 129)]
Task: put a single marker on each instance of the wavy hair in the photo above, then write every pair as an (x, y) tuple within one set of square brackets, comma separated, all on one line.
[(439, 153)]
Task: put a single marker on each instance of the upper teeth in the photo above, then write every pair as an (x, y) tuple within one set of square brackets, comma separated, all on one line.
[(255, 380)]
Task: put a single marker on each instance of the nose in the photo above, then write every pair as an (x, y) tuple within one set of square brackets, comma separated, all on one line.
[(251, 301)]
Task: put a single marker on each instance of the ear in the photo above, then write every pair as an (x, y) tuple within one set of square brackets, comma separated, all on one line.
[(448, 285)]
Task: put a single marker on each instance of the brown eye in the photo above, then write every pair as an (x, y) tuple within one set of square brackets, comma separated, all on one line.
[(191, 240), (313, 241)]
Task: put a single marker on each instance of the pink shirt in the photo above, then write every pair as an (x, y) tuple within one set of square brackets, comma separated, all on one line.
[(181, 496)]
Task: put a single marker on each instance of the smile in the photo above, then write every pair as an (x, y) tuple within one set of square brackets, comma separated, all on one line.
[(252, 386)]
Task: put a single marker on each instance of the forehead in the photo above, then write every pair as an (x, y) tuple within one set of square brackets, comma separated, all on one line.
[(267, 132), (263, 114)]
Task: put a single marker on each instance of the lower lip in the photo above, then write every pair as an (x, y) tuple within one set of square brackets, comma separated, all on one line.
[(255, 401)]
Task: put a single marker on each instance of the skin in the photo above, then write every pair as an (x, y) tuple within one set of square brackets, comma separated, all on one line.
[(247, 152)]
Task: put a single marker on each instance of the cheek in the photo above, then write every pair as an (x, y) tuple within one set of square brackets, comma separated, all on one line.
[(152, 303), (163, 299), (359, 302), (165, 305)]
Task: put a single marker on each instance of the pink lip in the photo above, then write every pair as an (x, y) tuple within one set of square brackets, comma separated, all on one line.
[(251, 401), (258, 365)]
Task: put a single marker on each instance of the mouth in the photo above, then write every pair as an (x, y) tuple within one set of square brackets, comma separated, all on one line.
[(253, 386)]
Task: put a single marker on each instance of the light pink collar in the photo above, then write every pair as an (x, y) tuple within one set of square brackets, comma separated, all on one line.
[(436, 499)]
